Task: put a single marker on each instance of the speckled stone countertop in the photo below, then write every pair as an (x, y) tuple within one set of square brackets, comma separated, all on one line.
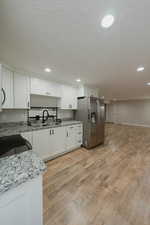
[(7, 129), (19, 168)]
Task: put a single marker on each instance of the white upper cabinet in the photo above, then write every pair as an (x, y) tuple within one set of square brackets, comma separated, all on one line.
[(45, 87), (7, 88), (84, 91), (69, 97), (21, 91), (0, 87)]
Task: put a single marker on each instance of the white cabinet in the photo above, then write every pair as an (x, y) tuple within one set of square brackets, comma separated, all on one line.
[(49, 142), (7, 88), (41, 143), (15, 89), (74, 136), (70, 137), (57, 140), (79, 134), (45, 88), (21, 91), (28, 136), (84, 91), (0, 87), (69, 97), (23, 204)]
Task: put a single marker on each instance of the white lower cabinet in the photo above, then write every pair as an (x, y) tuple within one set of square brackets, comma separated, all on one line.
[(0, 87), (74, 136), (28, 136), (49, 143), (70, 137), (23, 205), (79, 134)]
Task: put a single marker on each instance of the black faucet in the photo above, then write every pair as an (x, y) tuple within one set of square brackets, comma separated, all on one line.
[(43, 116)]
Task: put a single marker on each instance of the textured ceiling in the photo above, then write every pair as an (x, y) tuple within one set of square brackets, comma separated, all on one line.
[(66, 36)]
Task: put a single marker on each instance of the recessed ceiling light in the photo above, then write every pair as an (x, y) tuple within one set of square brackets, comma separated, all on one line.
[(78, 80), (140, 69), (48, 70), (148, 83), (107, 21)]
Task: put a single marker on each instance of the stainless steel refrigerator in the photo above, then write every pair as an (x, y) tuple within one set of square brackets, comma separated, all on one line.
[(91, 111)]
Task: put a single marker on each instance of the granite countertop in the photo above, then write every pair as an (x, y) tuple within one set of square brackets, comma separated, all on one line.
[(19, 168), (7, 129)]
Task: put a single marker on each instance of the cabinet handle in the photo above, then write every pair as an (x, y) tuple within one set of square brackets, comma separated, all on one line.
[(28, 104), (53, 132), (4, 94), (50, 132), (67, 134)]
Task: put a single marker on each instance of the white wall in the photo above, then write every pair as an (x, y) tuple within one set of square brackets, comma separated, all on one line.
[(134, 112), (13, 115)]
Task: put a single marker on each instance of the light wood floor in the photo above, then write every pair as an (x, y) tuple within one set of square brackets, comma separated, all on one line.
[(109, 185)]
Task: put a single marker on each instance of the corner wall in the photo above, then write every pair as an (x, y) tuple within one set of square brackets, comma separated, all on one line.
[(132, 112)]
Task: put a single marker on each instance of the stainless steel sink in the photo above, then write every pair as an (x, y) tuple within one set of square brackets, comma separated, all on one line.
[(44, 124)]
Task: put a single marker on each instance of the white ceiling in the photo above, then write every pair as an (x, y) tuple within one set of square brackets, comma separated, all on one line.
[(66, 36)]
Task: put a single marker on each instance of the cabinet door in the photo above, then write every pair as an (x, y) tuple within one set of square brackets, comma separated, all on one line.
[(23, 205), (57, 140), (49, 142), (87, 91), (71, 138), (7, 85), (79, 134), (93, 92), (39, 86), (21, 91), (41, 140), (0, 87), (27, 136), (45, 87), (69, 97)]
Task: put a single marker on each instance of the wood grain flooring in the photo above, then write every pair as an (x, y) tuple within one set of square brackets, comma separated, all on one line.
[(109, 185)]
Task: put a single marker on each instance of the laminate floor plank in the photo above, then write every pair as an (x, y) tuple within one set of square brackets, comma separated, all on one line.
[(109, 185)]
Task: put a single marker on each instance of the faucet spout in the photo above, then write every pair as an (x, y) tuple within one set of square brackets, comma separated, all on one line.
[(43, 116)]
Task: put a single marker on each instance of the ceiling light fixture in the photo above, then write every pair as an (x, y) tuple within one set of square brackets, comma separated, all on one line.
[(78, 80), (140, 69), (48, 70), (107, 21), (148, 83)]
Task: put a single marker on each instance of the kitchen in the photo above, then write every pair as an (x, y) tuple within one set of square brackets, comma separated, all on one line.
[(74, 113)]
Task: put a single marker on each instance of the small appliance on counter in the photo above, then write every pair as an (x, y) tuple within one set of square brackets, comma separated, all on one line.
[(14, 144)]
